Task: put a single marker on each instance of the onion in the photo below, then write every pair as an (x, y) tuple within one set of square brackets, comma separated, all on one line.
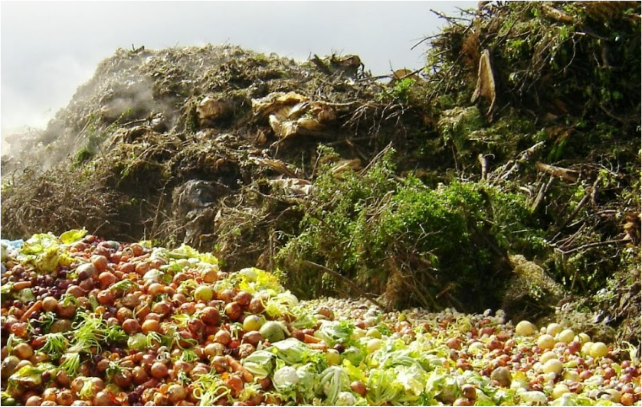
[(150, 325), (139, 375), (226, 295), (105, 297), (154, 289), (210, 316), (256, 305), (233, 311), (236, 384), (159, 370), (123, 378), (65, 398), (223, 337), (99, 262), (49, 304), (176, 393), (359, 387), (162, 308), (214, 349), (253, 337), (23, 350), (131, 326), (103, 398), (243, 298), (220, 364), (107, 279), (34, 401), (209, 275)]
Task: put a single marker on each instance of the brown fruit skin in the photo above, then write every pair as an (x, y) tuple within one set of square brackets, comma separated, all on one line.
[(210, 316), (234, 311), (627, 399), (359, 387)]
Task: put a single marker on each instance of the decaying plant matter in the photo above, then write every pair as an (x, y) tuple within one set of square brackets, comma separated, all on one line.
[(518, 140)]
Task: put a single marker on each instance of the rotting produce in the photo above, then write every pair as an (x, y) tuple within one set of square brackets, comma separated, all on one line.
[(88, 321)]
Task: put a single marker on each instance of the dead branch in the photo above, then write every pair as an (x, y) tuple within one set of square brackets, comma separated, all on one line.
[(346, 280), (558, 172), (595, 244), (483, 161), (541, 194)]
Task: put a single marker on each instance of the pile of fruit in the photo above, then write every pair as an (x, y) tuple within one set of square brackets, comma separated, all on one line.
[(87, 321)]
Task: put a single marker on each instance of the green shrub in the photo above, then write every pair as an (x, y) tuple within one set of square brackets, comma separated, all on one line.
[(376, 228)]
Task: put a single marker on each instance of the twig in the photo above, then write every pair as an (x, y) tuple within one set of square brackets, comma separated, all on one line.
[(542, 192), (577, 209), (484, 166), (596, 244), (347, 280)]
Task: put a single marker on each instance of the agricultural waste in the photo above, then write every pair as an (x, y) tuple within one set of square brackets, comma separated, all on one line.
[(88, 321), (505, 174)]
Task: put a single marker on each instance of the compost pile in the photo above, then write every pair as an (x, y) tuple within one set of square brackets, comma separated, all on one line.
[(87, 321), (505, 174)]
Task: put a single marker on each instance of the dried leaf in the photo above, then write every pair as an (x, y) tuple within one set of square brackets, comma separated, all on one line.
[(485, 82)]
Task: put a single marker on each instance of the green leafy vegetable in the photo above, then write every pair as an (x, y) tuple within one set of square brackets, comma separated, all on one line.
[(73, 235), (260, 363)]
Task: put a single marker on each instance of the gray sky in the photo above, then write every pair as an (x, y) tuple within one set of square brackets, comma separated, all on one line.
[(48, 49)]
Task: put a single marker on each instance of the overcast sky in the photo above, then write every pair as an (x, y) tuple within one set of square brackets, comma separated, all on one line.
[(50, 48)]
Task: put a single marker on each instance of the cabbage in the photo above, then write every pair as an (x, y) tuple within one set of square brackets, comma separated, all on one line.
[(307, 384), (333, 381), (444, 387), (412, 378), (335, 332), (570, 399), (532, 398), (137, 342), (254, 280), (260, 363), (354, 355), (44, 251), (292, 351), (382, 386), (73, 235), (187, 252)]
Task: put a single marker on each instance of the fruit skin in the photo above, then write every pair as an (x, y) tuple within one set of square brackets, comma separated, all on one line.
[(598, 350), (546, 341), (553, 366), (273, 331), (525, 328), (502, 375)]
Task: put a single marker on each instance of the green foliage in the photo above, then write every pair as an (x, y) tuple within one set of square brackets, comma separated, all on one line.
[(400, 91), (366, 225)]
